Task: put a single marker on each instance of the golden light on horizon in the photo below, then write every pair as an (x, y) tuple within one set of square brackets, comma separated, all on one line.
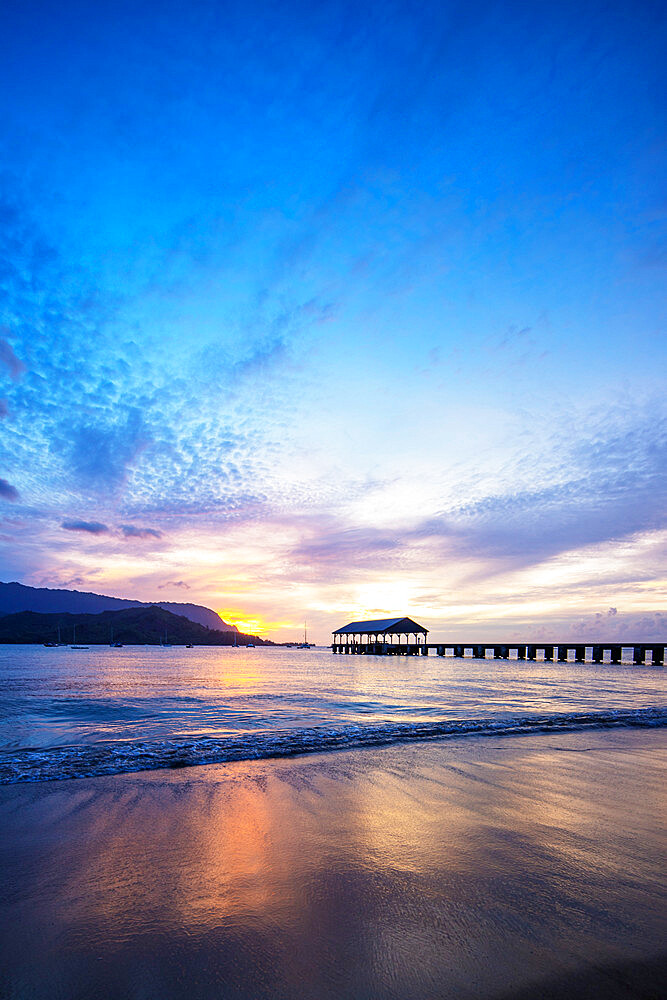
[(253, 624)]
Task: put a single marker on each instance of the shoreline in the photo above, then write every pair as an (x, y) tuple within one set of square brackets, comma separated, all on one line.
[(477, 868)]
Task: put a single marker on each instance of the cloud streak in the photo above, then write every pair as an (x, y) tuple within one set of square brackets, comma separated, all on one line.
[(8, 492), (9, 359), (87, 527), (132, 531)]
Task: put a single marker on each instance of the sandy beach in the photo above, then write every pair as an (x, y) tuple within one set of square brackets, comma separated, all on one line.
[(474, 868)]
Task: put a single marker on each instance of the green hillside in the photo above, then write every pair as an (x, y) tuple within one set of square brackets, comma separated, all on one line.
[(130, 626)]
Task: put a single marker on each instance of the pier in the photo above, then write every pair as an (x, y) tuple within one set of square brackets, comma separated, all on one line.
[(404, 637)]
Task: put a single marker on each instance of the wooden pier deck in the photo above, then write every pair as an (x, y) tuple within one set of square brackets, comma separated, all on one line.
[(649, 653)]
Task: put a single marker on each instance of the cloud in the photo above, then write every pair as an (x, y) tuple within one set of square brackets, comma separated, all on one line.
[(8, 358), (101, 452), (611, 486), (331, 551), (605, 489), (349, 545), (8, 492), (60, 581), (623, 627), (174, 583), (90, 527), (262, 360), (130, 531)]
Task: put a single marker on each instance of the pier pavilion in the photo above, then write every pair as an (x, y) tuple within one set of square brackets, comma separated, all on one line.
[(383, 637)]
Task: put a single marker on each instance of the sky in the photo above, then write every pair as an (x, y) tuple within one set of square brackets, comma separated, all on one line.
[(323, 312)]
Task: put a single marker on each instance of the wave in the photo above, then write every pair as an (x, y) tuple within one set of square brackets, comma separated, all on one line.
[(122, 757)]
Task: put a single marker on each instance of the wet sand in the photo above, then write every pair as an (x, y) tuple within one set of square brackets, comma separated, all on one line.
[(476, 868)]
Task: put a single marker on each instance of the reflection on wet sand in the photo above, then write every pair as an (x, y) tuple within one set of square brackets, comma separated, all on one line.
[(463, 869)]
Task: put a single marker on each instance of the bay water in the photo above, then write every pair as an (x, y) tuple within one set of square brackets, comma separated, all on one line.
[(68, 713)]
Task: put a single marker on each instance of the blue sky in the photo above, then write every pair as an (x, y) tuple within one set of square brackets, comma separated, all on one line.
[(313, 311)]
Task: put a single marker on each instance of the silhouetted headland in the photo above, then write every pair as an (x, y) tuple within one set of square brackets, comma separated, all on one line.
[(132, 626), (15, 597)]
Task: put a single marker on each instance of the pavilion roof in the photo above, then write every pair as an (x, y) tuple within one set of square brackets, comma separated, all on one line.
[(382, 625)]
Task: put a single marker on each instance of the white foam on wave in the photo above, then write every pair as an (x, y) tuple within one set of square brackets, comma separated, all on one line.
[(118, 757)]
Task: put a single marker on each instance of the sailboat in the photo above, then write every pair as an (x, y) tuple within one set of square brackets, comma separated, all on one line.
[(305, 644), (115, 645), (74, 645), (52, 645)]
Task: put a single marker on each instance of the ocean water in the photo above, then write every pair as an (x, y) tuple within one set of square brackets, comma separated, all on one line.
[(68, 713)]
